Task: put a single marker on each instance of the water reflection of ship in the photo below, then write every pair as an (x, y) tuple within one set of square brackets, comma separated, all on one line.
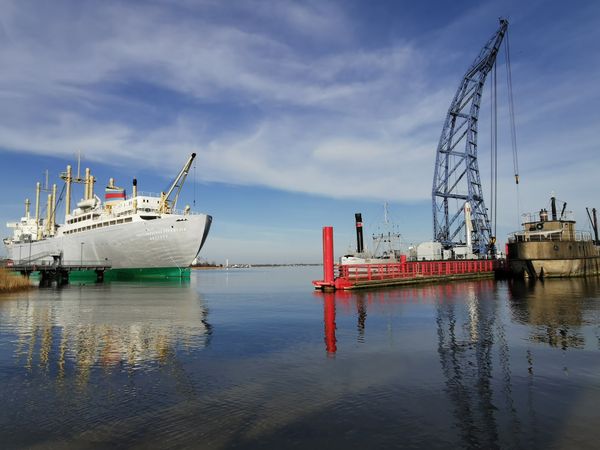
[(555, 308), (129, 327)]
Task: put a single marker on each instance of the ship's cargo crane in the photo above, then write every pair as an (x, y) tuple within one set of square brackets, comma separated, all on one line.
[(168, 204), (456, 176)]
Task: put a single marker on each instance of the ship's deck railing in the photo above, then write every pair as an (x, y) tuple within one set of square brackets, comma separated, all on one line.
[(535, 217), (182, 212), (558, 236), (143, 194), (75, 263), (155, 195)]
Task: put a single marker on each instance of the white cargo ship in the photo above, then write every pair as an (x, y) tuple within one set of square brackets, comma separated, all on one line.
[(141, 235)]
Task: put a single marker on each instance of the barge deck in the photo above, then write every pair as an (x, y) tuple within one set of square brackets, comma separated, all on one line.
[(361, 276)]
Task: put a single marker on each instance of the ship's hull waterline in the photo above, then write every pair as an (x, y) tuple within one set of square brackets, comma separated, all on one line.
[(554, 259), (165, 246)]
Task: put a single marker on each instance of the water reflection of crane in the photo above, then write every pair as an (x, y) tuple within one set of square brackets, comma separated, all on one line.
[(490, 404), (467, 365), (470, 339), (360, 301)]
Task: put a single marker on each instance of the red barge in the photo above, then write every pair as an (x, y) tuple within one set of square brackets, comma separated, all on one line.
[(357, 276)]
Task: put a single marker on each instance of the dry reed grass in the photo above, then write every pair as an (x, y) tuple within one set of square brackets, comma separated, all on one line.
[(11, 281)]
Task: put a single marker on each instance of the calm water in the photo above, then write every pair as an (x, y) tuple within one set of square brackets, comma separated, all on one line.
[(255, 359)]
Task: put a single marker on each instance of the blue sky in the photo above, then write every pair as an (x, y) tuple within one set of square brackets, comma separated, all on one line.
[(301, 113)]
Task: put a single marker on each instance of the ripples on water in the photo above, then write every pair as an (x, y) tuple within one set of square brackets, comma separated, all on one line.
[(254, 358)]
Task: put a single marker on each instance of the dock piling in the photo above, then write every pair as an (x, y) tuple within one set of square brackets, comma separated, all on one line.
[(328, 269)]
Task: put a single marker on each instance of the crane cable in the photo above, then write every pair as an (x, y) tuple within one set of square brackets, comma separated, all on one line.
[(494, 151), (513, 131), (195, 183)]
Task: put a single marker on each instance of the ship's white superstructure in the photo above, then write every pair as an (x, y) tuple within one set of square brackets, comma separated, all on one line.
[(143, 231)]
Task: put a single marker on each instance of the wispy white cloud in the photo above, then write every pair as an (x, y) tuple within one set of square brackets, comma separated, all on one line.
[(336, 97), (303, 105)]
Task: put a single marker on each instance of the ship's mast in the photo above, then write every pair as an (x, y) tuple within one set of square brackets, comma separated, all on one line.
[(388, 235), (52, 224), (38, 188), (68, 178)]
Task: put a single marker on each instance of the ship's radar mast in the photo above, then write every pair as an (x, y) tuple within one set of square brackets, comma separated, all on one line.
[(456, 179)]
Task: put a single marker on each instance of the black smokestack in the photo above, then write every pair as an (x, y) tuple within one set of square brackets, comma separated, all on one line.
[(553, 203), (359, 233)]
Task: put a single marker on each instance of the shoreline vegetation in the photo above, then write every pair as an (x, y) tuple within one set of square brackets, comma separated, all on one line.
[(13, 282)]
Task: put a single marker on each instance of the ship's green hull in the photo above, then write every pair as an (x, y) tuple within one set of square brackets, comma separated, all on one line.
[(156, 273)]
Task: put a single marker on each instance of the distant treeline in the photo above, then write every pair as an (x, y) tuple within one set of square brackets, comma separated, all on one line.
[(207, 264), (287, 265)]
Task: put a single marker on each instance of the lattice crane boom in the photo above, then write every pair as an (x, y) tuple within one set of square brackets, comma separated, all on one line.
[(456, 174)]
